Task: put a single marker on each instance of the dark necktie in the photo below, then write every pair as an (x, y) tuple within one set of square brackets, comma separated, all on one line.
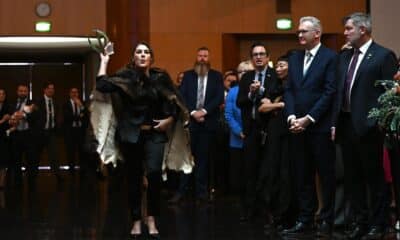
[(260, 78), (349, 79), (75, 110), (307, 65), (51, 115), (19, 101)]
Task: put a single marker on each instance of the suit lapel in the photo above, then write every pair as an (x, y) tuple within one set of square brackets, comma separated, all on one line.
[(364, 63), (314, 64), (300, 60), (195, 87), (207, 88)]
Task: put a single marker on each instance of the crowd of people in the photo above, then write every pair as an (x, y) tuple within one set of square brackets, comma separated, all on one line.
[(28, 127), (267, 136)]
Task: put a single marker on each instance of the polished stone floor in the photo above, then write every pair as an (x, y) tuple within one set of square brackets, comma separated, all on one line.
[(87, 207)]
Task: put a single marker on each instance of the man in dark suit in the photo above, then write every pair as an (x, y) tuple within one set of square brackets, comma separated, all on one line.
[(359, 137), (22, 140), (308, 105), (75, 122), (46, 125), (203, 92), (255, 88)]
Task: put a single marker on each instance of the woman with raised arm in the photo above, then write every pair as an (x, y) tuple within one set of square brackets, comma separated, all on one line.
[(144, 110)]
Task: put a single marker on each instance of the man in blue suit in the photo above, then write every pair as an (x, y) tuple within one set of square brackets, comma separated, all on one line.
[(203, 92), (360, 139), (308, 105)]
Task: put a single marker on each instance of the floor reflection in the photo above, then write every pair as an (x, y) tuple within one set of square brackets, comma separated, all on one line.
[(88, 208)]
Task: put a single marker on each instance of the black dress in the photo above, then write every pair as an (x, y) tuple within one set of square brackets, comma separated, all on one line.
[(4, 141)]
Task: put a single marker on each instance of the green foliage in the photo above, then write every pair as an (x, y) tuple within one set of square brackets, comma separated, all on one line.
[(387, 113)]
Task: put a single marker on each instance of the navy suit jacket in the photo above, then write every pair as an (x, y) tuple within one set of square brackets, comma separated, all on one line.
[(378, 63), (41, 114), (312, 94), (246, 104), (214, 97)]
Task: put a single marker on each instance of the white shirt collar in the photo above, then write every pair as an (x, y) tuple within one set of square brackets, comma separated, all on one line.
[(47, 98), (363, 49), (314, 50)]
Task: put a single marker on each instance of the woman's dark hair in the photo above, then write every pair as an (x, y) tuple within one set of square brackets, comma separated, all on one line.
[(283, 58), (132, 63), (232, 72)]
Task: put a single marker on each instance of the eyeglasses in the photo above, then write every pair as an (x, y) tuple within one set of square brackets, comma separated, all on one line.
[(303, 31), (259, 54)]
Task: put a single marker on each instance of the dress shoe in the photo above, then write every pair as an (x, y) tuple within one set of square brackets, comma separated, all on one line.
[(324, 229), (177, 198), (136, 236), (154, 236), (357, 232), (375, 232), (298, 228)]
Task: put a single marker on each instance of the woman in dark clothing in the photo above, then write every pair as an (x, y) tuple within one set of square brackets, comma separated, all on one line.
[(277, 186), (4, 148), (143, 112)]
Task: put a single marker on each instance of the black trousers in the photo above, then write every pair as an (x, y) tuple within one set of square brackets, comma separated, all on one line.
[(201, 149), (277, 177), (74, 143), (143, 159), (314, 153), (252, 159), (23, 144), (363, 168), (236, 166), (47, 139)]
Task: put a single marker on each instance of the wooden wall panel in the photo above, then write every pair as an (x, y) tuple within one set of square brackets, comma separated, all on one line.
[(177, 52), (127, 24), (72, 17), (178, 27)]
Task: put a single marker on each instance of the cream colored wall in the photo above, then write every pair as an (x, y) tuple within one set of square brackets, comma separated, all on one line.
[(385, 23)]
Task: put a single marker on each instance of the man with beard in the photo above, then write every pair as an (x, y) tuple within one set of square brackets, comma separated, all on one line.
[(203, 92), (22, 139)]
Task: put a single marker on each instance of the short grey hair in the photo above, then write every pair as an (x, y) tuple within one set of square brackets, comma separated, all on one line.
[(314, 21), (360, 19)]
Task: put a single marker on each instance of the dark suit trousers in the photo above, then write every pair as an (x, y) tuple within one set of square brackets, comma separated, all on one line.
[(276, 175), (314, 153), (363, 167), (200, 145), (74, 140), (22, 143), (252, 159), (236, 166), (143, 158), (48, 140)]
